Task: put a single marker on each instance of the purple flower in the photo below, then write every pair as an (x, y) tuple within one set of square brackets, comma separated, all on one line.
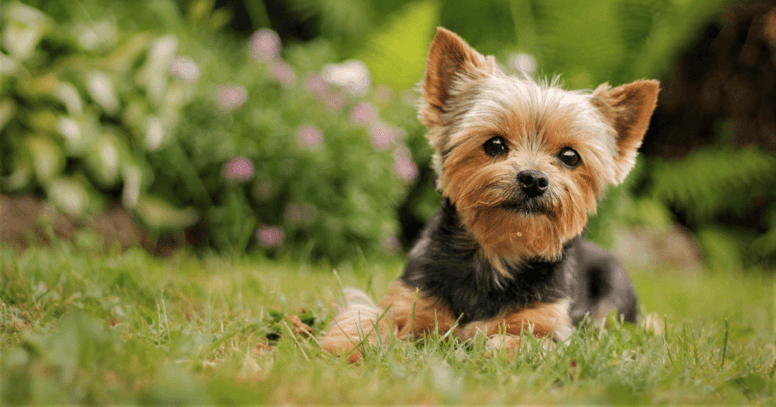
[(265, 45), (270, 236), (309, 136), (231, 97), (184, 68), (283, 73), (363, 113), (403, 165), (315, 84), (238, 169)]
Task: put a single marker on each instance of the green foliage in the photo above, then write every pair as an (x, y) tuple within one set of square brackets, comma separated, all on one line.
[(396, 53), (187, 126), (715, 182), (614, 41)]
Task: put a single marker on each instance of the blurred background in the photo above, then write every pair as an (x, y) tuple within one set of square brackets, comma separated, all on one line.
[(288, 127)]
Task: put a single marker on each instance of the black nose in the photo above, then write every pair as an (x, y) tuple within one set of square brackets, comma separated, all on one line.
[(533, 183)]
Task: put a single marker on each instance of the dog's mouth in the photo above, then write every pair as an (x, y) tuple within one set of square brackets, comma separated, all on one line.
[(529, 206)]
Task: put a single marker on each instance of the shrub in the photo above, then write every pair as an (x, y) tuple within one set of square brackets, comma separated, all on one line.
[(185, 126)]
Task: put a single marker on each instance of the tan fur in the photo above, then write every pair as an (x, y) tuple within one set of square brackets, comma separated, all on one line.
[(412, 313), (628, 108), (408, 312), (542, 319)]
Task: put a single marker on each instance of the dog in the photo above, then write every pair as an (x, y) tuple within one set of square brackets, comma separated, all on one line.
[(520, 166)]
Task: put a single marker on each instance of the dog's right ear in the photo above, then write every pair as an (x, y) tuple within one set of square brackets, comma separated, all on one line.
[(451, 64)]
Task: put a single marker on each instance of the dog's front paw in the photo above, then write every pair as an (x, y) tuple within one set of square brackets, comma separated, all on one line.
[(511, 344), (342, 347)]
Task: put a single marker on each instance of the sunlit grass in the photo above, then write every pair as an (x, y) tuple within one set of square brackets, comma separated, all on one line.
[(84, 326)]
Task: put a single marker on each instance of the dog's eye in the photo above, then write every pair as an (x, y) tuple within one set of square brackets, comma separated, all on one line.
[(495, 146), (569, 157)]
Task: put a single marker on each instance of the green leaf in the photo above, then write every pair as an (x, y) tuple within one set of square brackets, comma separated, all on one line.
[(103, 91), (47, 157), (24, 28), (396, 53), (70, 195), (159, 214), (104, 159), (6, 112)]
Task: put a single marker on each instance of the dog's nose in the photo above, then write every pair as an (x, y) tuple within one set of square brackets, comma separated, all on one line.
[(533, 183)]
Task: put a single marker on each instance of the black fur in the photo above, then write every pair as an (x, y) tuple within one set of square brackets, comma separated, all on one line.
[(445, 265)]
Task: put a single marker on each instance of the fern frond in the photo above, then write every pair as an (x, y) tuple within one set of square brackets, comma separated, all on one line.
[(714, 180)]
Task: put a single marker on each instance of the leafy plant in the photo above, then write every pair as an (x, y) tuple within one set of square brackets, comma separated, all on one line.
[(185, 126)]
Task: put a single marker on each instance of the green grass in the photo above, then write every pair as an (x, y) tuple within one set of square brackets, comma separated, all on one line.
[(82, 326)]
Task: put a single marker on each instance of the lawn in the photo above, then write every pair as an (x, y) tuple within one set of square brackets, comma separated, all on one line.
[(80, 325)]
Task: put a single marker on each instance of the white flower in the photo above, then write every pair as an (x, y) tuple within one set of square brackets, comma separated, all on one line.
[(184, 68), (522, 62), (352, 75)]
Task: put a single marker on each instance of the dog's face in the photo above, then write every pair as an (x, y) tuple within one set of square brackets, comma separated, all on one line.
[(523, 162)]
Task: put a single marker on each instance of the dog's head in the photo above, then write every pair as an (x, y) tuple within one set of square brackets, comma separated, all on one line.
[(524, 162)]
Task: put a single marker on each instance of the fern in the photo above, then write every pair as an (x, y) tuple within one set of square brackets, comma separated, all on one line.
[(714, 180)]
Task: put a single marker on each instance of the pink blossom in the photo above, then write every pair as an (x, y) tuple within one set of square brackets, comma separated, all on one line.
[(184, 68), (381, 136), (335, 101), (384, 93), (315, 84), (270, 236), (403, 165), (309, 136), (265, 45), (283, 73), (231, 97), (363, 112), (238, 169), (292, 213)]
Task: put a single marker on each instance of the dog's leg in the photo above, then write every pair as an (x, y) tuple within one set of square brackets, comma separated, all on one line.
[(546, 321), (360, 321), (603, 287), (412, 313)]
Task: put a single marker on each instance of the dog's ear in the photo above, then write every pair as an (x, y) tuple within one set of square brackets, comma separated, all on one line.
[(628, 108), (451, 62)]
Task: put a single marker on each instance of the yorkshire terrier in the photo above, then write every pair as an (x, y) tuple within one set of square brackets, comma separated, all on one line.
[(520, 166)]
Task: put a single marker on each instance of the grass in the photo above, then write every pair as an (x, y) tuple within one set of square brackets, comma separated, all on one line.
[(85, 326)]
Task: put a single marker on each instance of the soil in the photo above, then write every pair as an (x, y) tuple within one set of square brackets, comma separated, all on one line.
[(27, 221)]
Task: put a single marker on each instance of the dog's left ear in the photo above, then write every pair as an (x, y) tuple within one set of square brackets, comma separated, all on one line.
[(628, 108)]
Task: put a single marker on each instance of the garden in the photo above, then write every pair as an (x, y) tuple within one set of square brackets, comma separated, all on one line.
[(187, 186)]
